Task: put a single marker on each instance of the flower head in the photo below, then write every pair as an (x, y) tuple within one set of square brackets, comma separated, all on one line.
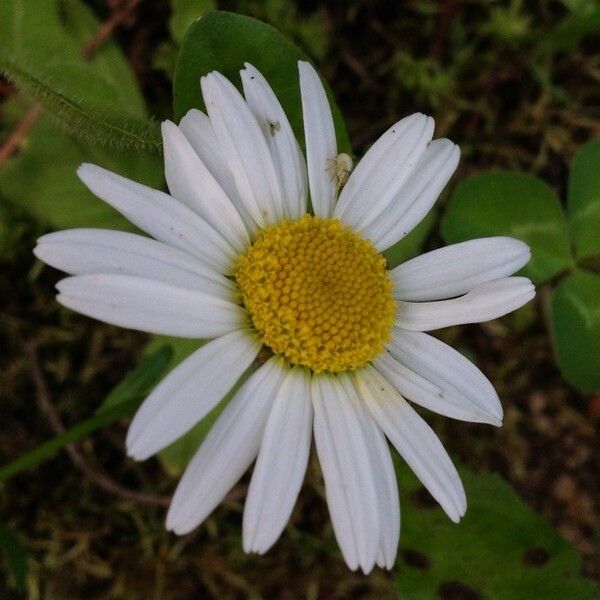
[(237, 257), (318, 294)]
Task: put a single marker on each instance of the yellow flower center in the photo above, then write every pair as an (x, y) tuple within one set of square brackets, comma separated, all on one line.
[(318, 294)]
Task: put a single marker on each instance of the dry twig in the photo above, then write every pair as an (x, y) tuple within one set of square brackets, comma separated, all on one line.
[(97, 476), (18, 134)]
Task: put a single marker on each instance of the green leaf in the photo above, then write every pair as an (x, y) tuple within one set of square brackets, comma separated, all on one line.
[(569, 32), (89, 123), (50, 35), (96, 100), (412, 244), (55, 196), (575, 318), (223, 41), (15, 556), (309, 28), (584, 200), (513, 204), (180, 348), (184, 13), (501, 549), (141, 380), (107, 73)]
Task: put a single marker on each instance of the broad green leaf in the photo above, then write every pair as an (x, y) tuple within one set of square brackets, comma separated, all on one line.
[(513, 204), (55, 196), (41, 44), (501, 549), (83, 121), (584, 200), (49, 35), (141, 380), (184, 13), (308, 28), (575, 317), (568, 34), (224, 41), (412, 244), (15, 556), (110, 76)]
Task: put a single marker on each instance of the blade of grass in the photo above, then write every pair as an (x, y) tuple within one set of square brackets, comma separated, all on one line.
[(123, 400), (51, 447)]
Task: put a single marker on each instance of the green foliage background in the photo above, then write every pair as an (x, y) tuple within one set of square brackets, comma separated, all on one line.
[(103, 106)]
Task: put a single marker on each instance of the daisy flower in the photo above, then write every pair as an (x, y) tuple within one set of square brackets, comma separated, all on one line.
[(256, 247)]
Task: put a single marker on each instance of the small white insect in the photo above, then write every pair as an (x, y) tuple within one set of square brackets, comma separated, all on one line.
[(339, 168)]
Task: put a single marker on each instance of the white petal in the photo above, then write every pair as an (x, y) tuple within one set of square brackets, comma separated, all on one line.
[(415, 441), (485, 302), (432, 374), (199, 131), (345, 459), (285, 149), (151, 306), (321, 145), (406, 381), (89, 251), (385, 481), (244, 148), (192, 183), (160, 215), (389, 502), (280, 465), (189, 392), (227, 451), (457, 269), (416, 197), (381, 173)]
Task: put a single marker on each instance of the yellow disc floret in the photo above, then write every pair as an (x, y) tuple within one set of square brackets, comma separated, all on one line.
[(317, 293)]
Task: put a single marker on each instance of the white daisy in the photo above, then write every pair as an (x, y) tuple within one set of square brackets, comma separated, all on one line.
[(238, 258)]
